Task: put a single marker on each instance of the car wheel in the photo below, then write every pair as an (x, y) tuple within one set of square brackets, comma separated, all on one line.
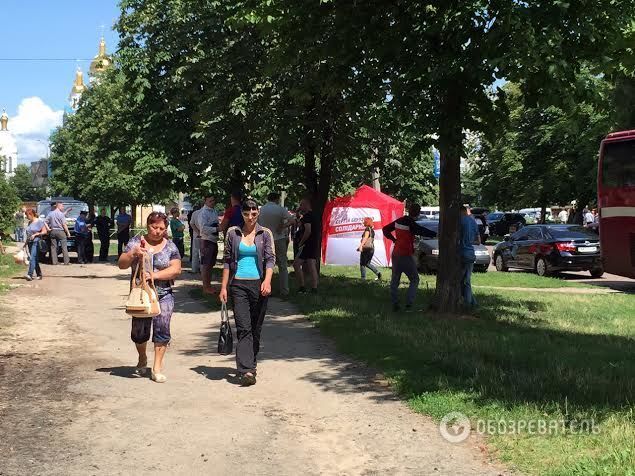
[(480, 269), (542, 267), (597, 272), (500, 263)]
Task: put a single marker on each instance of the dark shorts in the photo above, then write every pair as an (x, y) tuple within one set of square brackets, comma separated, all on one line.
[(309, 251), (209, 252), (160, 325)]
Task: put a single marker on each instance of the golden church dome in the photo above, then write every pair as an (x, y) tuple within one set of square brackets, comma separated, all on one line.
[(101, 62), (78, 86)]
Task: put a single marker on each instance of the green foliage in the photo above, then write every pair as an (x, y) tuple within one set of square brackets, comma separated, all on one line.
[(22, 182), (101, 154), (545, 155), (9, 203)]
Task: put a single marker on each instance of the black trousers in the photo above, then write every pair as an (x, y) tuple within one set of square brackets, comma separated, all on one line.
[(103, 247), (180, 246), (122, 240), (250, 308), (82, 243)]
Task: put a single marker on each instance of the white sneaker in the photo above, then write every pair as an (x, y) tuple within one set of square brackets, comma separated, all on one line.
[(28, 278)]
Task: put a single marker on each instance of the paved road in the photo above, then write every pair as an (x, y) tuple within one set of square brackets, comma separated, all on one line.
[(71, 403)]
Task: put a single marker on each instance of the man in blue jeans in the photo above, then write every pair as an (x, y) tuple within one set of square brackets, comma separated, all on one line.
[(469, 237), (403, 260)]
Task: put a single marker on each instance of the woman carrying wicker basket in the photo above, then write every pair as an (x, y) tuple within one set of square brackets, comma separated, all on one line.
[(166, 266)]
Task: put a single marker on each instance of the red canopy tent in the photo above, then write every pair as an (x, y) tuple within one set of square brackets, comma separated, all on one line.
[(342, 225)]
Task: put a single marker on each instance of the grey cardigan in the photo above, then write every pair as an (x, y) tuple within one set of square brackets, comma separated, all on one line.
[(264, 247)]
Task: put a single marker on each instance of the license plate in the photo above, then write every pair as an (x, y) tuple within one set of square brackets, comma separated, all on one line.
[(587, 249)]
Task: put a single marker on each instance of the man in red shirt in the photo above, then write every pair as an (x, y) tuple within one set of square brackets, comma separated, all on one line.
[(403, 261)]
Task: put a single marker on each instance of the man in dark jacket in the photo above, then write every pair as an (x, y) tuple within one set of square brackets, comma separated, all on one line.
[(403, 261), (103, 224)]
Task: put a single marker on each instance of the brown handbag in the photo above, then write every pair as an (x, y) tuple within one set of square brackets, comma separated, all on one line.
[(143, 300)]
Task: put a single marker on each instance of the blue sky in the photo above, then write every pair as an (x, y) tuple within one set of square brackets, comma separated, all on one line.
[(34, 92)]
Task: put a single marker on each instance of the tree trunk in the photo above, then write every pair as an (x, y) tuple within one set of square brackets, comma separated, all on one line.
[(448, 295), (543, 213)]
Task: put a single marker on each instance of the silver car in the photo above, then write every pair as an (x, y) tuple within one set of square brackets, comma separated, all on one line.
[(427, 251)]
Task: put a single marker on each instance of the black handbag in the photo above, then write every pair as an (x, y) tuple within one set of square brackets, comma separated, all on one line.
[(225, 339)]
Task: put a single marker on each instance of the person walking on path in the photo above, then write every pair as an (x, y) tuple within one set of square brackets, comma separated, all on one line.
[(103, 223), (233, 214), (469, 238), (206, 222), (308, 252), (277, 219), (34, 232), (166, 267), (124, 221), (178, 231), (56, 221), (403, 261), (195, 252), (21, 222), (248, 261), (81, 236), (367, 249)]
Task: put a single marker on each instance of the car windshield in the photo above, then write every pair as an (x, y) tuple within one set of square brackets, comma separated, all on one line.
[(430, 225), (572, 232), (494, 216)]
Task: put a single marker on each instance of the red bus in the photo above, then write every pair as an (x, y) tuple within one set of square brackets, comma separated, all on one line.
[(616, 203)]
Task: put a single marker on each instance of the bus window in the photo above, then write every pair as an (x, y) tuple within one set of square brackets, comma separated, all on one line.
[(618, 165)]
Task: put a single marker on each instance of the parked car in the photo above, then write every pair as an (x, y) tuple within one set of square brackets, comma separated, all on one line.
[(547, 249), (72, 208), (502, 223), (427, 251)]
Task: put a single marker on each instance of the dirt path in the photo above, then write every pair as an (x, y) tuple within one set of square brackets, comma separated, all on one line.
[(71, 404)]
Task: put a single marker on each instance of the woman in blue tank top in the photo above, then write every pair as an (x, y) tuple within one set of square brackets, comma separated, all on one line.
[(249, 258)]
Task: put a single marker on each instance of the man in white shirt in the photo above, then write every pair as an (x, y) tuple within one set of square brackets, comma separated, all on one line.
[(277, 219), (207, 223), (563, 216), (589, 219), (196, 242)]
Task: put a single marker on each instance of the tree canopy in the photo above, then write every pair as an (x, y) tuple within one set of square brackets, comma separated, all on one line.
[(318, 96)]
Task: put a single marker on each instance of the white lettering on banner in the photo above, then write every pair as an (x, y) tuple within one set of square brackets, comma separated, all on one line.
[(345, 229), (345, 219)]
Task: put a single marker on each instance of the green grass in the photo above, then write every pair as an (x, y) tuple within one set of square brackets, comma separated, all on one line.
[(528, 356)]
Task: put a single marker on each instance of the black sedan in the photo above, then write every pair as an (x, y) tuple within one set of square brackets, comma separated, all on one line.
[(427, 251), (547, 249), (502, 223)]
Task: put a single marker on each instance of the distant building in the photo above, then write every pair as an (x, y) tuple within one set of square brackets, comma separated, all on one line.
[(8, 147)]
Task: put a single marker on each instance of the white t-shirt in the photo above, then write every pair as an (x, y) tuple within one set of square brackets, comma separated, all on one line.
[(563, 216)]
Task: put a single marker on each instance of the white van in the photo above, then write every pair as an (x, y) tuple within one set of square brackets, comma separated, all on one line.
[(429, 213)]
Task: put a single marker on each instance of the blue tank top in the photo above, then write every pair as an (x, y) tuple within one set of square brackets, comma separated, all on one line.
[(247, 256)]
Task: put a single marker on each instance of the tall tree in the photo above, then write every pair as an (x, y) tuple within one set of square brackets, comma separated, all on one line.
[(9, 202), (101, 154), (23, 184), (450, 53)]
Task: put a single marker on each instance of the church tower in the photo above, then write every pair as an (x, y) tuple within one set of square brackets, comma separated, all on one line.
[(100, 63), (77, 90), (8, 148)]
